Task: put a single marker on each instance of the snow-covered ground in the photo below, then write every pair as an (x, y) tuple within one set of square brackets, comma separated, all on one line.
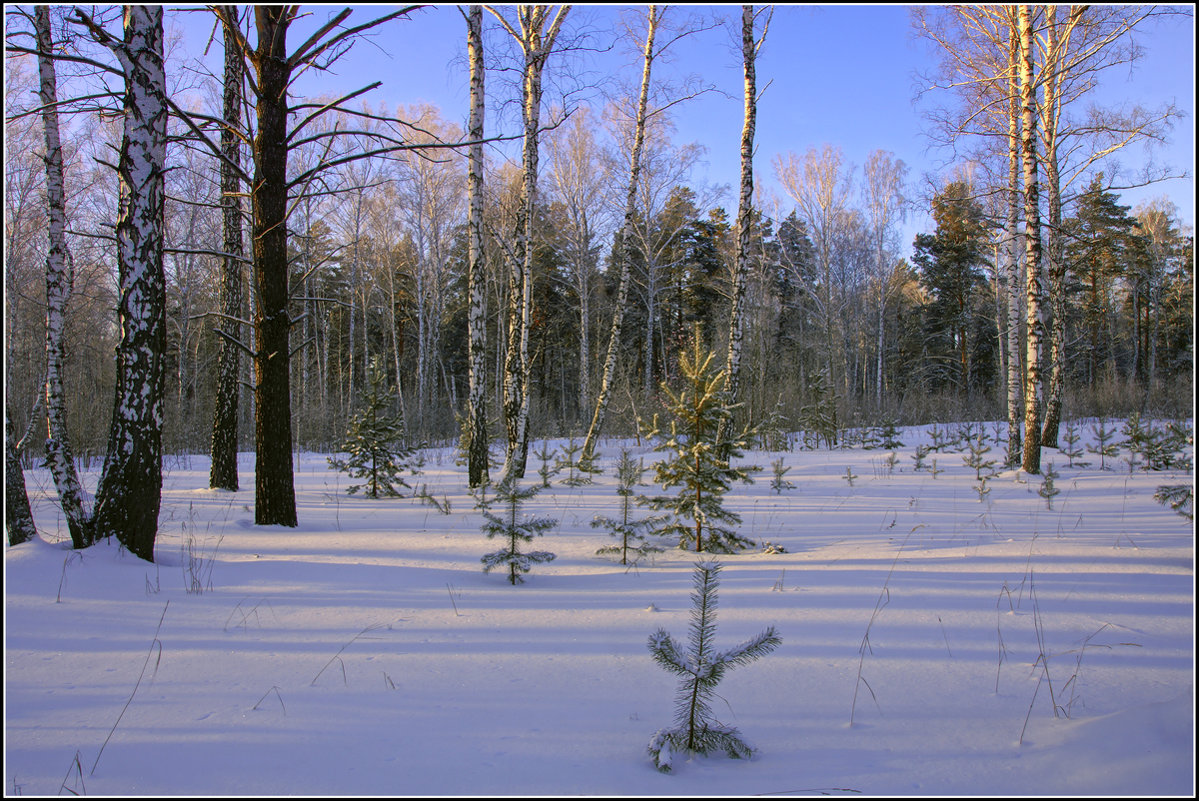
[(927, 637)]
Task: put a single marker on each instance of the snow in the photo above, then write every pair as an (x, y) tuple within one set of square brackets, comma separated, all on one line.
[(366, 652)]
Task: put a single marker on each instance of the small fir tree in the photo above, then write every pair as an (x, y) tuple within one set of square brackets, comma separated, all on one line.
[(700, 669), (918, 456), (375, 442), (514, 528), (1138, 440), (1072, 449), (889, 435), (547, 470), (630, 533), (1104, 447), (779, 483), (982, 489), (694, 462), (578, 469), (977, 448), (1048, 491), (849, 476), (939, 436)]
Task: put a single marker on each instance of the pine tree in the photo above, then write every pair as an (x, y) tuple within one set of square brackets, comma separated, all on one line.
[(631, 533), (515, 528), (696, 730), (1072, 449), (547, 470), (978, 447), (1104, 448), (579, 468), (819, 418), (375, 442), (694, 463), (779, 483)]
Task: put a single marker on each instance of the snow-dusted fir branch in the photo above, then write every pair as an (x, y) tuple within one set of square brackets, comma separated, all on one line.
[(701, 668)]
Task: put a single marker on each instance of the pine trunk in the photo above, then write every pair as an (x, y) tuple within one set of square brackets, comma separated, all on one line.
[(274, 489), (59, 282), (1032, 228), (223, 472), (130, 488), (477, 467)]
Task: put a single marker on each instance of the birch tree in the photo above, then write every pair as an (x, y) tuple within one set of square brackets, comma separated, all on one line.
[(535, 31), (819, 184), (624, 235), (750, 45), (883, 199), (579, 183), (476, 410), (129, 492), (59, 284), (1034, 288)]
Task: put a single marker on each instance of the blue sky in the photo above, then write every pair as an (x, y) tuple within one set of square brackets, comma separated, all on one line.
[(846, 75)]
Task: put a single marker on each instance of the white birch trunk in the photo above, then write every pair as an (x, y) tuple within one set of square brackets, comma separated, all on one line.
[(536, 42), (744, 218), (130, 488), (621, 244), (1032, 226), (59, 282), (1012, 259)]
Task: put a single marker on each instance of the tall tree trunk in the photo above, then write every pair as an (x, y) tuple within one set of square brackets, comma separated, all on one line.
[(274, 488), (223, 472), (59, 282), (1012, 259), (536, 42), (130, 488), (477, 467), (1054, 58), (621, 243), (1032, 228), (18, 518), (744, 223)]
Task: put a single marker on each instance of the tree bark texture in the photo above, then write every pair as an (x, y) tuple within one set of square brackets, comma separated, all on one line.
[(1055, 51), (223, 472), (1032, 240), (744, 221), (1011, 247), (477, 467), (18, 518), (59, 284), (130, 488), (274, 488)]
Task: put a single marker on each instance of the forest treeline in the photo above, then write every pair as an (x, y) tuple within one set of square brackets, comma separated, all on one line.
[(838, 323)]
